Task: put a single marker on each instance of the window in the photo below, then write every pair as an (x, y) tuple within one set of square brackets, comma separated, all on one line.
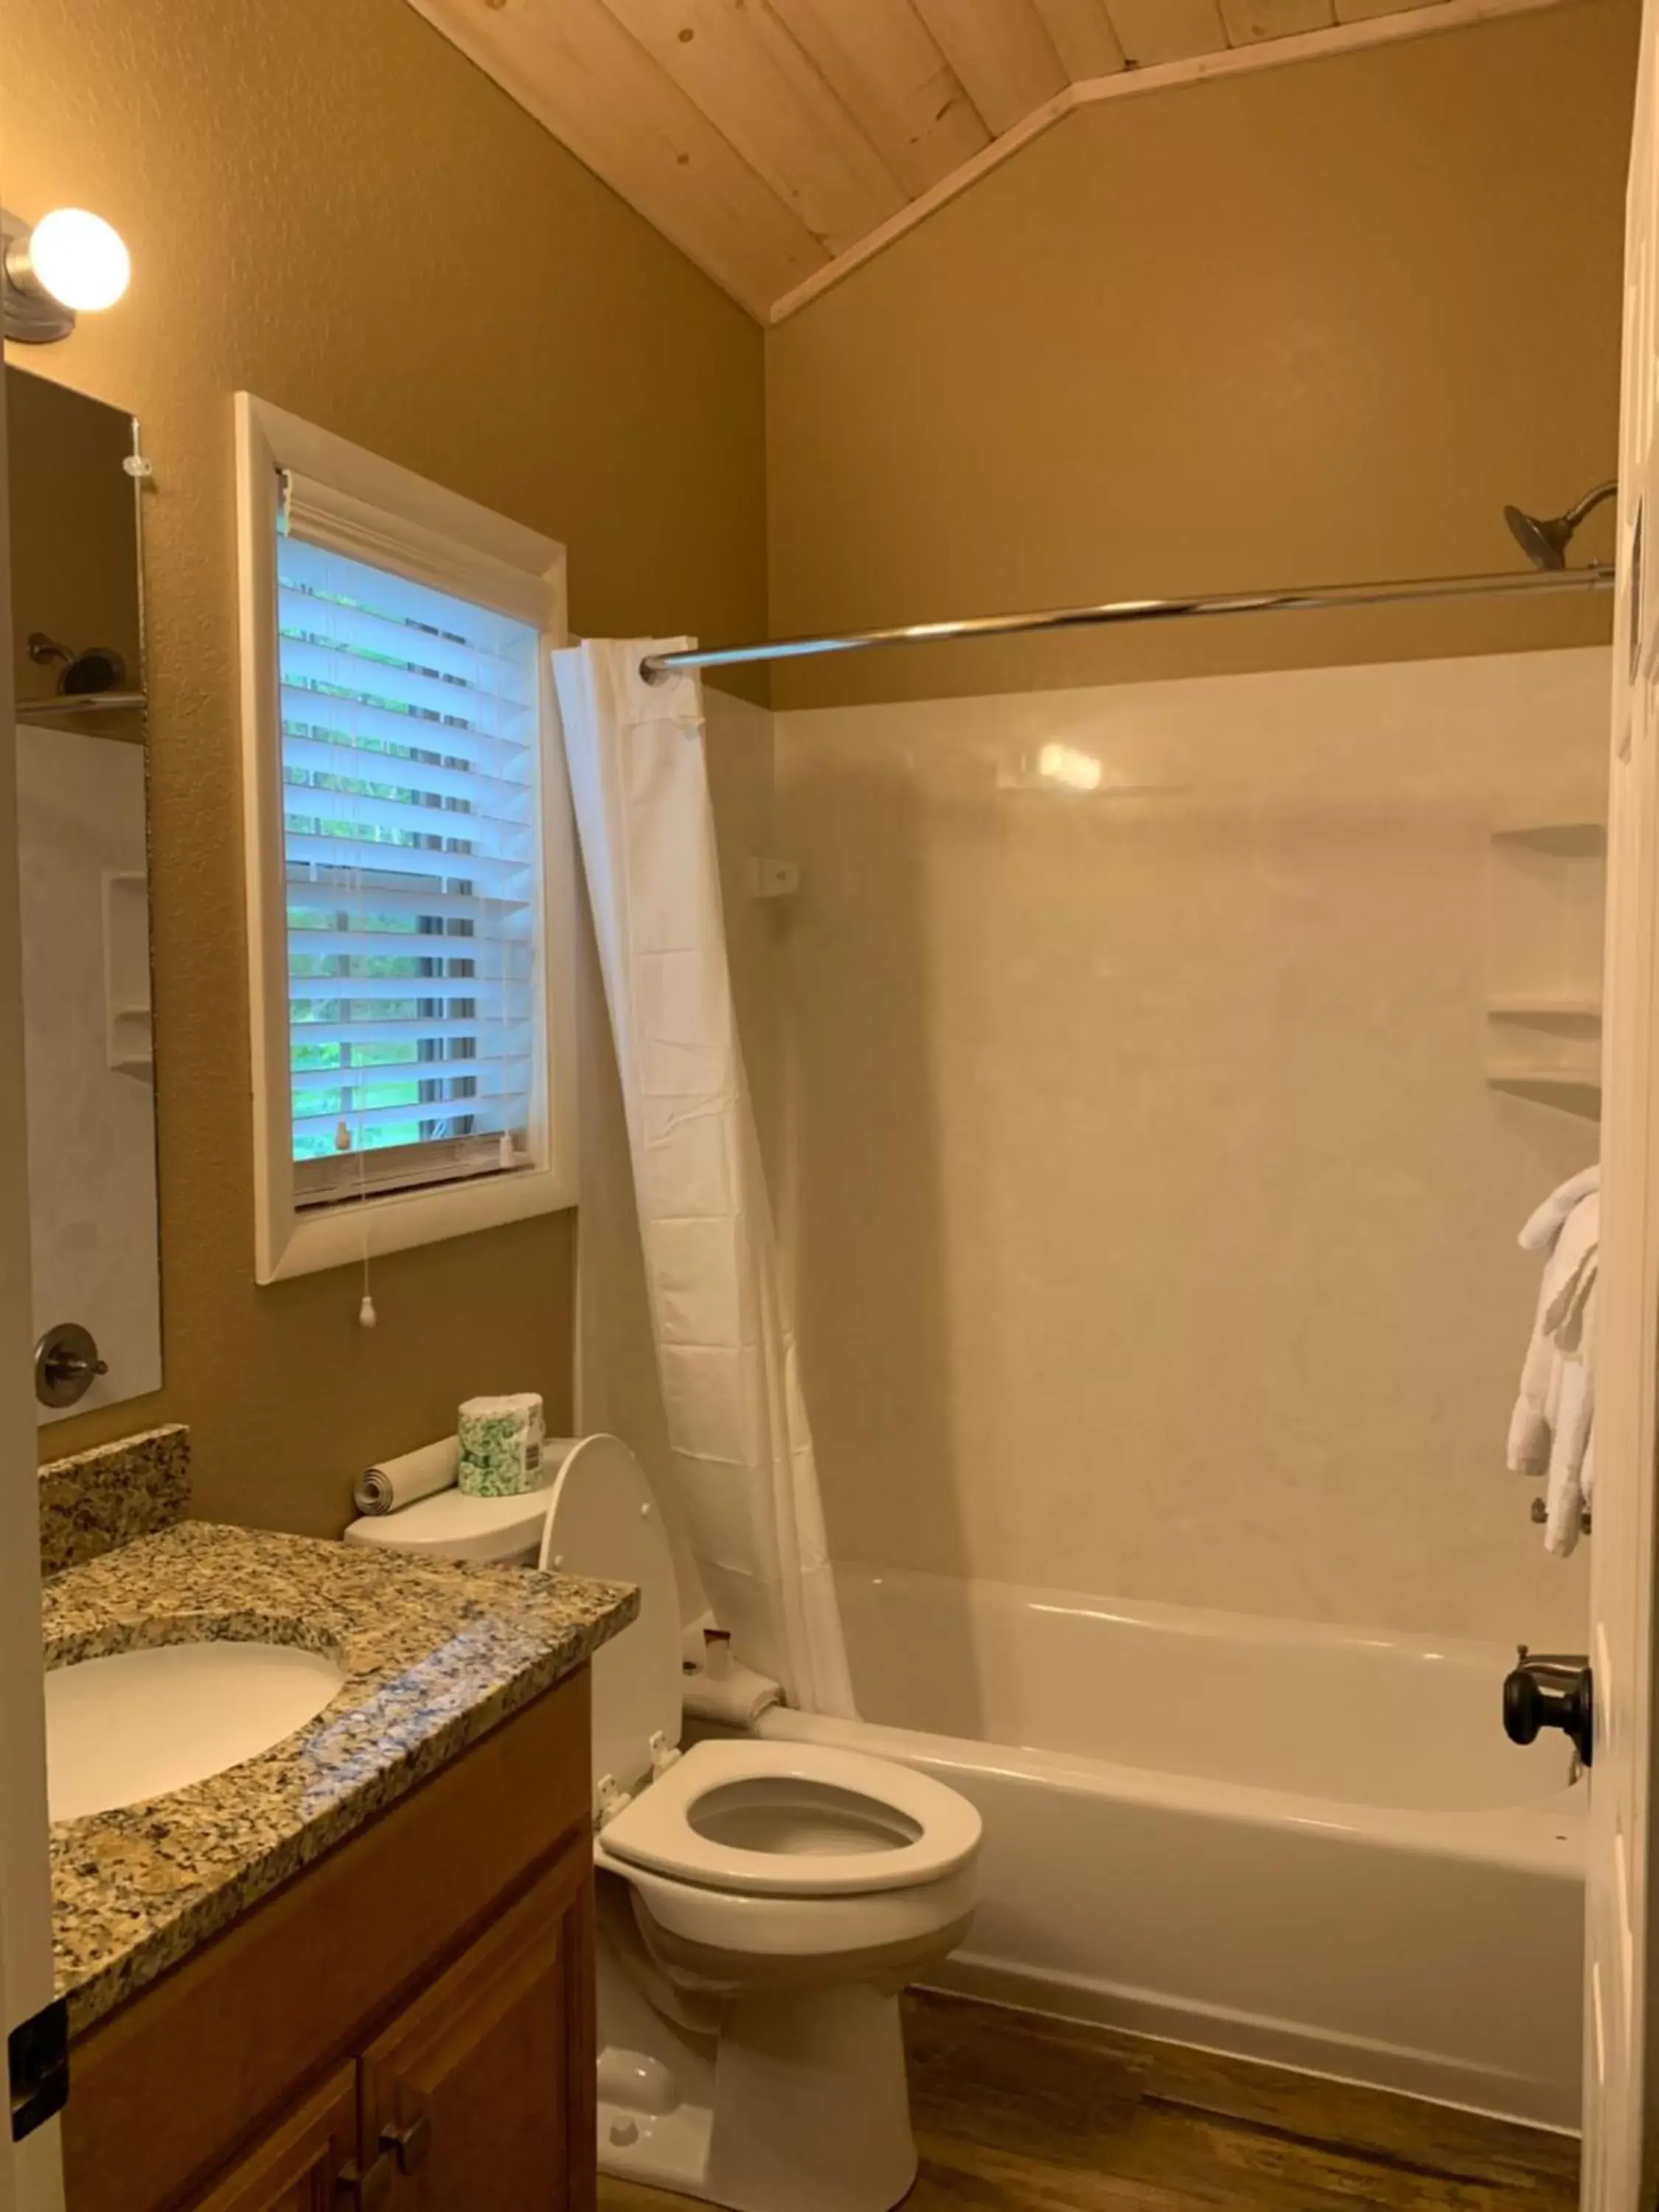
[(411, 745), (410, 871)]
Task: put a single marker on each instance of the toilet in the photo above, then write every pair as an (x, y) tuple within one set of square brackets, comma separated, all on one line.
[(761, 1905)]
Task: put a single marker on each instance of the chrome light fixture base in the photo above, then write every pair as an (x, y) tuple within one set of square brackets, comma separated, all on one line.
[(32, 316)]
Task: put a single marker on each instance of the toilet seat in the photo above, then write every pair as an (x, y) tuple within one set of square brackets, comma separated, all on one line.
[(794, 1819)]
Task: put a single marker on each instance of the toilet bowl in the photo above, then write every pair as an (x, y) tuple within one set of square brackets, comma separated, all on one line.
[(761, 1905)]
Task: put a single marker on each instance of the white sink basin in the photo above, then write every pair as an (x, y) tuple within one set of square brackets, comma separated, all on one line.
[(140, 1723)]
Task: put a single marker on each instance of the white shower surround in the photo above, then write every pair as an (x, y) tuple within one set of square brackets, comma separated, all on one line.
[(1152, 1224), (1291, 1843)]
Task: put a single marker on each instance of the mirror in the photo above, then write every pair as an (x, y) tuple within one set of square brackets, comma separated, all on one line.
[(83, 865)]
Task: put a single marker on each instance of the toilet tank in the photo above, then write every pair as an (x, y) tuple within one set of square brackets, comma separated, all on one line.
[(595, 1518), (493, 1531)]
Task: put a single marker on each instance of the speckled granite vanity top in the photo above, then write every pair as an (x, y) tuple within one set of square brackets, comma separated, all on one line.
[(434, 1656)]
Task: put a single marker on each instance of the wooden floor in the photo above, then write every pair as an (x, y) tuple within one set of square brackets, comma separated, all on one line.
[(1013, 2110)]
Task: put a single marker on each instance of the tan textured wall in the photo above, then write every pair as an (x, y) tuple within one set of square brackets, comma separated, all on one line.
[(326, 204), (1312, 324)]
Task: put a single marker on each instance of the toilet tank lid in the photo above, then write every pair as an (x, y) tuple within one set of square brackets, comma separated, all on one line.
[(452, 1525)]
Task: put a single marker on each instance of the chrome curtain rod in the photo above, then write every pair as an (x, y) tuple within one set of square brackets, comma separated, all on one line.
[(656, 667)]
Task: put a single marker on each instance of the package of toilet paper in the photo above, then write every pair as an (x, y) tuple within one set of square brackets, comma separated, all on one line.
[(500, 1442)]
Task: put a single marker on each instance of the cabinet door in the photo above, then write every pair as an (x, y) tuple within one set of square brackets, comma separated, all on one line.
[(482, 2089), (297, 2167)]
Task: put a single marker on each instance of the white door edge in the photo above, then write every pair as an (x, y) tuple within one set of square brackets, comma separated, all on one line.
[(31, 2173)]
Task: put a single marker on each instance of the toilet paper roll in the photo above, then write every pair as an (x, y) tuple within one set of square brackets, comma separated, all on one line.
[(395, 1483), (500, 1444)]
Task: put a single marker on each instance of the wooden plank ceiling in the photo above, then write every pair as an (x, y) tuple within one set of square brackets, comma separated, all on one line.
[(777, 142)]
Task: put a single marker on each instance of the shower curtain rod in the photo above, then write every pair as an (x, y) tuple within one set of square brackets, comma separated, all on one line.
[(657, 667)]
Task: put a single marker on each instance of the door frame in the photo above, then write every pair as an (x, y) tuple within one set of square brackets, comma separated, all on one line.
[(31, 2173)]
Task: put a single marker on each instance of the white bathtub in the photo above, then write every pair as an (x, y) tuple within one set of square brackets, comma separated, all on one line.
[(1286, 1842)]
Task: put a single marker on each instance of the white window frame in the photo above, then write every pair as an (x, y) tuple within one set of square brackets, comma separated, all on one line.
[(291, 1239)]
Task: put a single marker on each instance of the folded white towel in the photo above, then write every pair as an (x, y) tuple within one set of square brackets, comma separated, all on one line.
[(736, 1699), (1552, 1428)]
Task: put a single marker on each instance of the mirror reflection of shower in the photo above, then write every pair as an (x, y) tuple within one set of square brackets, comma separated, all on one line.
[(97, 668), (1545, 542)]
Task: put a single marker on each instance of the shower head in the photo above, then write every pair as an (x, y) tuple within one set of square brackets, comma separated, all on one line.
[(97, 668), (1545, 543)]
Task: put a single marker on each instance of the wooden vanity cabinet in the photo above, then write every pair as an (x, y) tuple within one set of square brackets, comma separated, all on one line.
[(476, 2097), (408, 2026), (302, 2165), (481, 2089)]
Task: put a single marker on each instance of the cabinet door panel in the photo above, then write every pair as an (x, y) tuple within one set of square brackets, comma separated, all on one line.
[(298, 2166), (471, 2085), (296, 1985)]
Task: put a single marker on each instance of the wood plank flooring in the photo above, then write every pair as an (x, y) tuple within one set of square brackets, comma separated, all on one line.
[(1017, 2113)]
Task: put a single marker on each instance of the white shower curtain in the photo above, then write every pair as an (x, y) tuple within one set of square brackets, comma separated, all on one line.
[(747, 1487)]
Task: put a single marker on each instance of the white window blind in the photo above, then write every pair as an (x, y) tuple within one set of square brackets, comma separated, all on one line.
[(411, 763)]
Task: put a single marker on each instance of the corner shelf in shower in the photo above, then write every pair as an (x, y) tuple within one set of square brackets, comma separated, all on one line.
[(1548, 887), (76, 705), (1549, 1008), (1585, 839), (1568, 1091)]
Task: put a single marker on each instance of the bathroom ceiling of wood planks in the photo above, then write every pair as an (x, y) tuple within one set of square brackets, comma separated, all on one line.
[(779, 143)]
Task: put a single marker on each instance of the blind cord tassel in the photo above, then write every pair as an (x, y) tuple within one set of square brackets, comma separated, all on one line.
[(366, 1316)]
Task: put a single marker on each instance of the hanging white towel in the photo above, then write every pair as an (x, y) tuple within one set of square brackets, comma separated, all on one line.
[(1570, 1477), (1545, 1224), (1552, 1431)]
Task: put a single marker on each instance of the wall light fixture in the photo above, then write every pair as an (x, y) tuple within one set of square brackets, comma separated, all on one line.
[(68, 263)]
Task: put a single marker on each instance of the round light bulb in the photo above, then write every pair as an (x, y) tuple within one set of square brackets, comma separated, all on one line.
[(79, 259)]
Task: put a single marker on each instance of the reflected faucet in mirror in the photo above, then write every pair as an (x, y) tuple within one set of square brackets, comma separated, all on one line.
[(66, 1364)]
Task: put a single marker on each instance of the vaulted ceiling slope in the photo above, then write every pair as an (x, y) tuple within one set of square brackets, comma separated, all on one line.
[(779, 143)]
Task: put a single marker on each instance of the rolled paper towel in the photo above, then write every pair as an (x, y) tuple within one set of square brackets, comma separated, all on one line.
[(405, 1481), (500, 1445), (735, 1699)]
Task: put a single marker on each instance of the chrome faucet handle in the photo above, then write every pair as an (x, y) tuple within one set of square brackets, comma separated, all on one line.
[(66, 1364)]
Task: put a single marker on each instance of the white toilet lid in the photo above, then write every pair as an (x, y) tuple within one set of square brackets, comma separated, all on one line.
[(453, 1526), (604, 1522), (794, 1819)]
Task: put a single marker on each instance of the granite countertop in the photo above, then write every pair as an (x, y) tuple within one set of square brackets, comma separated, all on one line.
[(95, 1501), (435, 1655)]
